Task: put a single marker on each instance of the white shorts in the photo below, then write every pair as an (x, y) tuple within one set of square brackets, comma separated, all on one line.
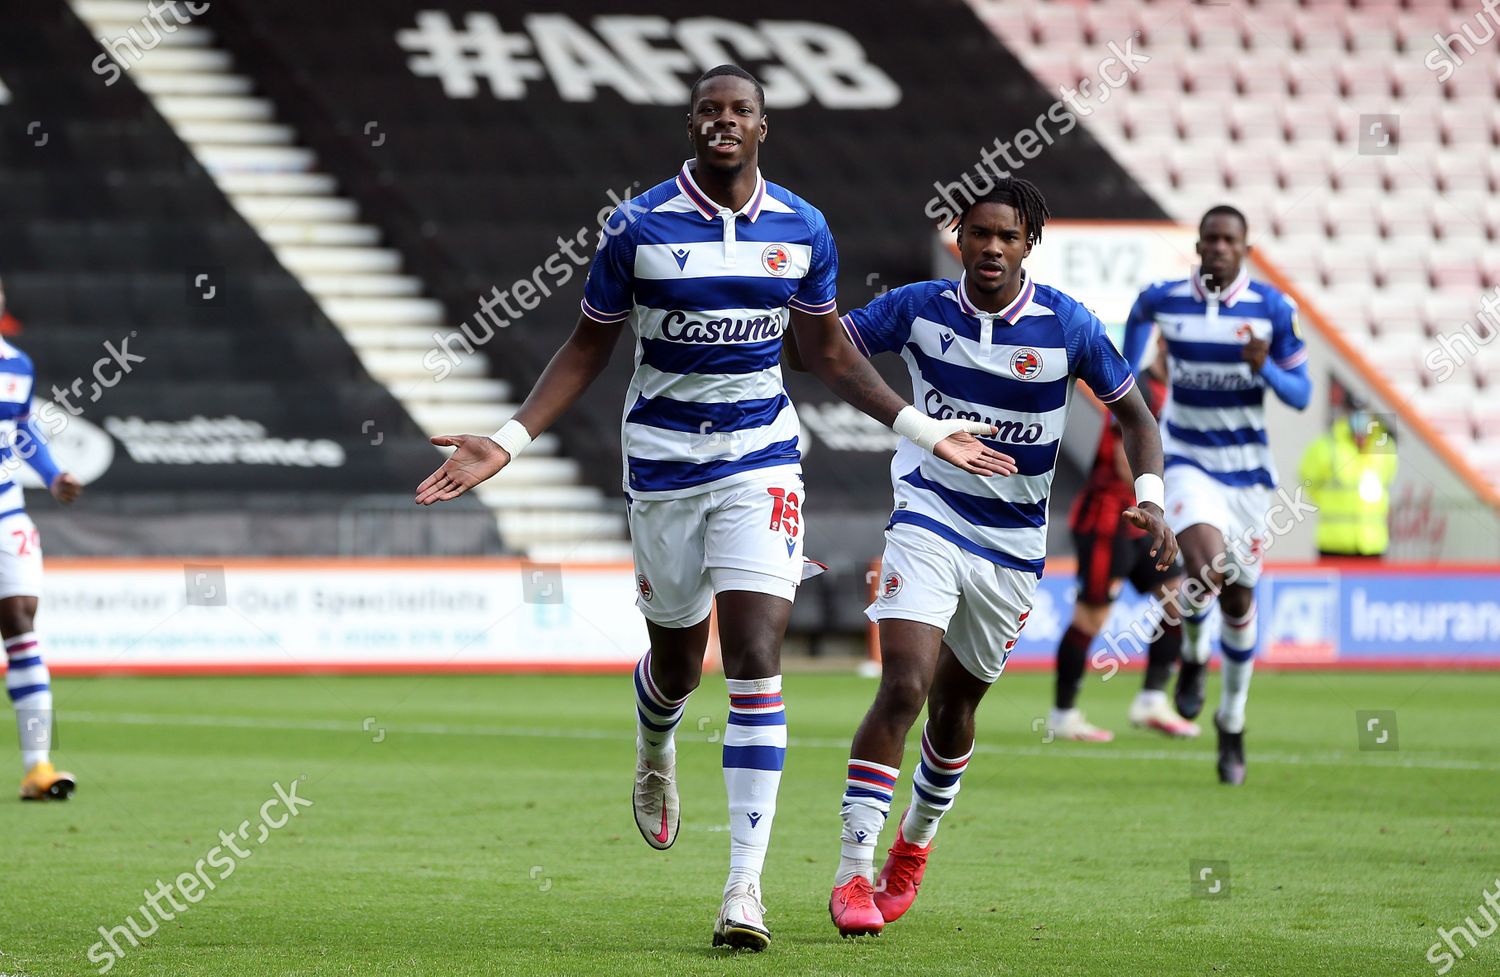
[(981, 605), (20, 557), (1195, 497), (744, 537)]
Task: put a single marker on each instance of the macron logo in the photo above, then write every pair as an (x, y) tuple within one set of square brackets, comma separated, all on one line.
[(754, 817), (947, 340), (681, 256), (859, 836)]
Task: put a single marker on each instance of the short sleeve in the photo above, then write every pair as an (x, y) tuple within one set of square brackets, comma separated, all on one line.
[(884, 325), (608, 292), (1099, 364), (1287, 348), (817, 293)]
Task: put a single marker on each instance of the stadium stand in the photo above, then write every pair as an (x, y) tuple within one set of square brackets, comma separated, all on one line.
[(315, 233), (245, 423), (481, 170), (1359, 136)]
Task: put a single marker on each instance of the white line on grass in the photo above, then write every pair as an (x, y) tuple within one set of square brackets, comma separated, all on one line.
[(524, 732)]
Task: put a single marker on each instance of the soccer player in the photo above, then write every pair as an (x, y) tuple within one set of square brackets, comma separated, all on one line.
[(708, 268), (1228, 340), (1111, 550), (964, 553), (26, 678)]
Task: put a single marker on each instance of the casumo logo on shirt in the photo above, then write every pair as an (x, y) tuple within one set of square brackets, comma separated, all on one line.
[(1186, 376), (1011, 431), (677, 327)]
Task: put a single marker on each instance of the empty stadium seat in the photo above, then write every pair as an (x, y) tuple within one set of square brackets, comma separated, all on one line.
[(1391, 225)]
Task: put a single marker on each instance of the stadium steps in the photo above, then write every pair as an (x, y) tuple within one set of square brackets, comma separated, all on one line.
[(315, 233)]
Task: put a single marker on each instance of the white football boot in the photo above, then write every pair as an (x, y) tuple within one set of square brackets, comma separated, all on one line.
[(742, 922), (655, 800)]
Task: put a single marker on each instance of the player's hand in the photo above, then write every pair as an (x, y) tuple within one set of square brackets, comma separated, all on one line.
[(1148, 516), (963, 450), (66, 487), (1254, 352), (476, 459)]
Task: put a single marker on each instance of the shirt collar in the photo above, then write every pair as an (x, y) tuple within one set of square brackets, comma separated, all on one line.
[(1227, 296), (707, 207), (1011, 312)]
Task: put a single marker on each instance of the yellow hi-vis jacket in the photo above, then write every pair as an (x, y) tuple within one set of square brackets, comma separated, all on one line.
[(1352, 489)]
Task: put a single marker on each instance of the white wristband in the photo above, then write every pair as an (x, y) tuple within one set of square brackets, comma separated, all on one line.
[(1149, 488), (513, 437)]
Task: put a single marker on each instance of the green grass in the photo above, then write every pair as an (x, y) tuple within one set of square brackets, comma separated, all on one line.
[(488, 832)]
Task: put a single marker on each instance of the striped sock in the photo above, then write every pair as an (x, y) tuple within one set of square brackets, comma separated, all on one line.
[(933, 787), (1238, 642), (30, 687), (867, 803), (656, 716), (754, 753)]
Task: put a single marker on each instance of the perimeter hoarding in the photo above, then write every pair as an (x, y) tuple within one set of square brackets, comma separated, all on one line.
[(269, 617), (381, 615)]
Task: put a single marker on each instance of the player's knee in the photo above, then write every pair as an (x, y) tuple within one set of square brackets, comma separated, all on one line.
[(1090, 618), (14, 621), (752, 656), (1236, 601), (948, 714), (902, 694)]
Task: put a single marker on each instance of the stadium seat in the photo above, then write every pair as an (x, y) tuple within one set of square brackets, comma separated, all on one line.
[(1396, 245)]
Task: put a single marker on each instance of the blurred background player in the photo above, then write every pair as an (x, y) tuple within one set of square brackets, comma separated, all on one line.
[(1228, 341), (708, 266), (1348, 472), (9, 324), (1112, 549), (26, 678), (964, 554)]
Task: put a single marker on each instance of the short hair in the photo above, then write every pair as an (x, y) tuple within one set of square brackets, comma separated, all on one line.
[(732, 71), (1021, 194), (1223, 210)]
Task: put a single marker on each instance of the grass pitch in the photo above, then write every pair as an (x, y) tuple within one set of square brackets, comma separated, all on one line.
[(468, 825)]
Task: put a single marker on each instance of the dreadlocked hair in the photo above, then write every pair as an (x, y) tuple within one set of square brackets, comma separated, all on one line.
[(1024, 196)]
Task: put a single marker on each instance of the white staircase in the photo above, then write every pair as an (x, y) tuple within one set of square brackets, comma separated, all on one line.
[(539, 505)]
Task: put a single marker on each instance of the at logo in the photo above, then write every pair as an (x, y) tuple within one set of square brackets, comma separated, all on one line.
[(644, 586), (1026, 364), (776, 259), (891, 586)]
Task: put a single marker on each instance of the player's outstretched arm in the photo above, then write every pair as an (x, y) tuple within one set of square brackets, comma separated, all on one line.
[(479, 457), (1143, 447), (825, 350)]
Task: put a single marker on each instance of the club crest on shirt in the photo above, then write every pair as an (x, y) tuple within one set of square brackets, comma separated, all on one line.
[(644, 586), (776, 258), (1026, 364), (891, 586)]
